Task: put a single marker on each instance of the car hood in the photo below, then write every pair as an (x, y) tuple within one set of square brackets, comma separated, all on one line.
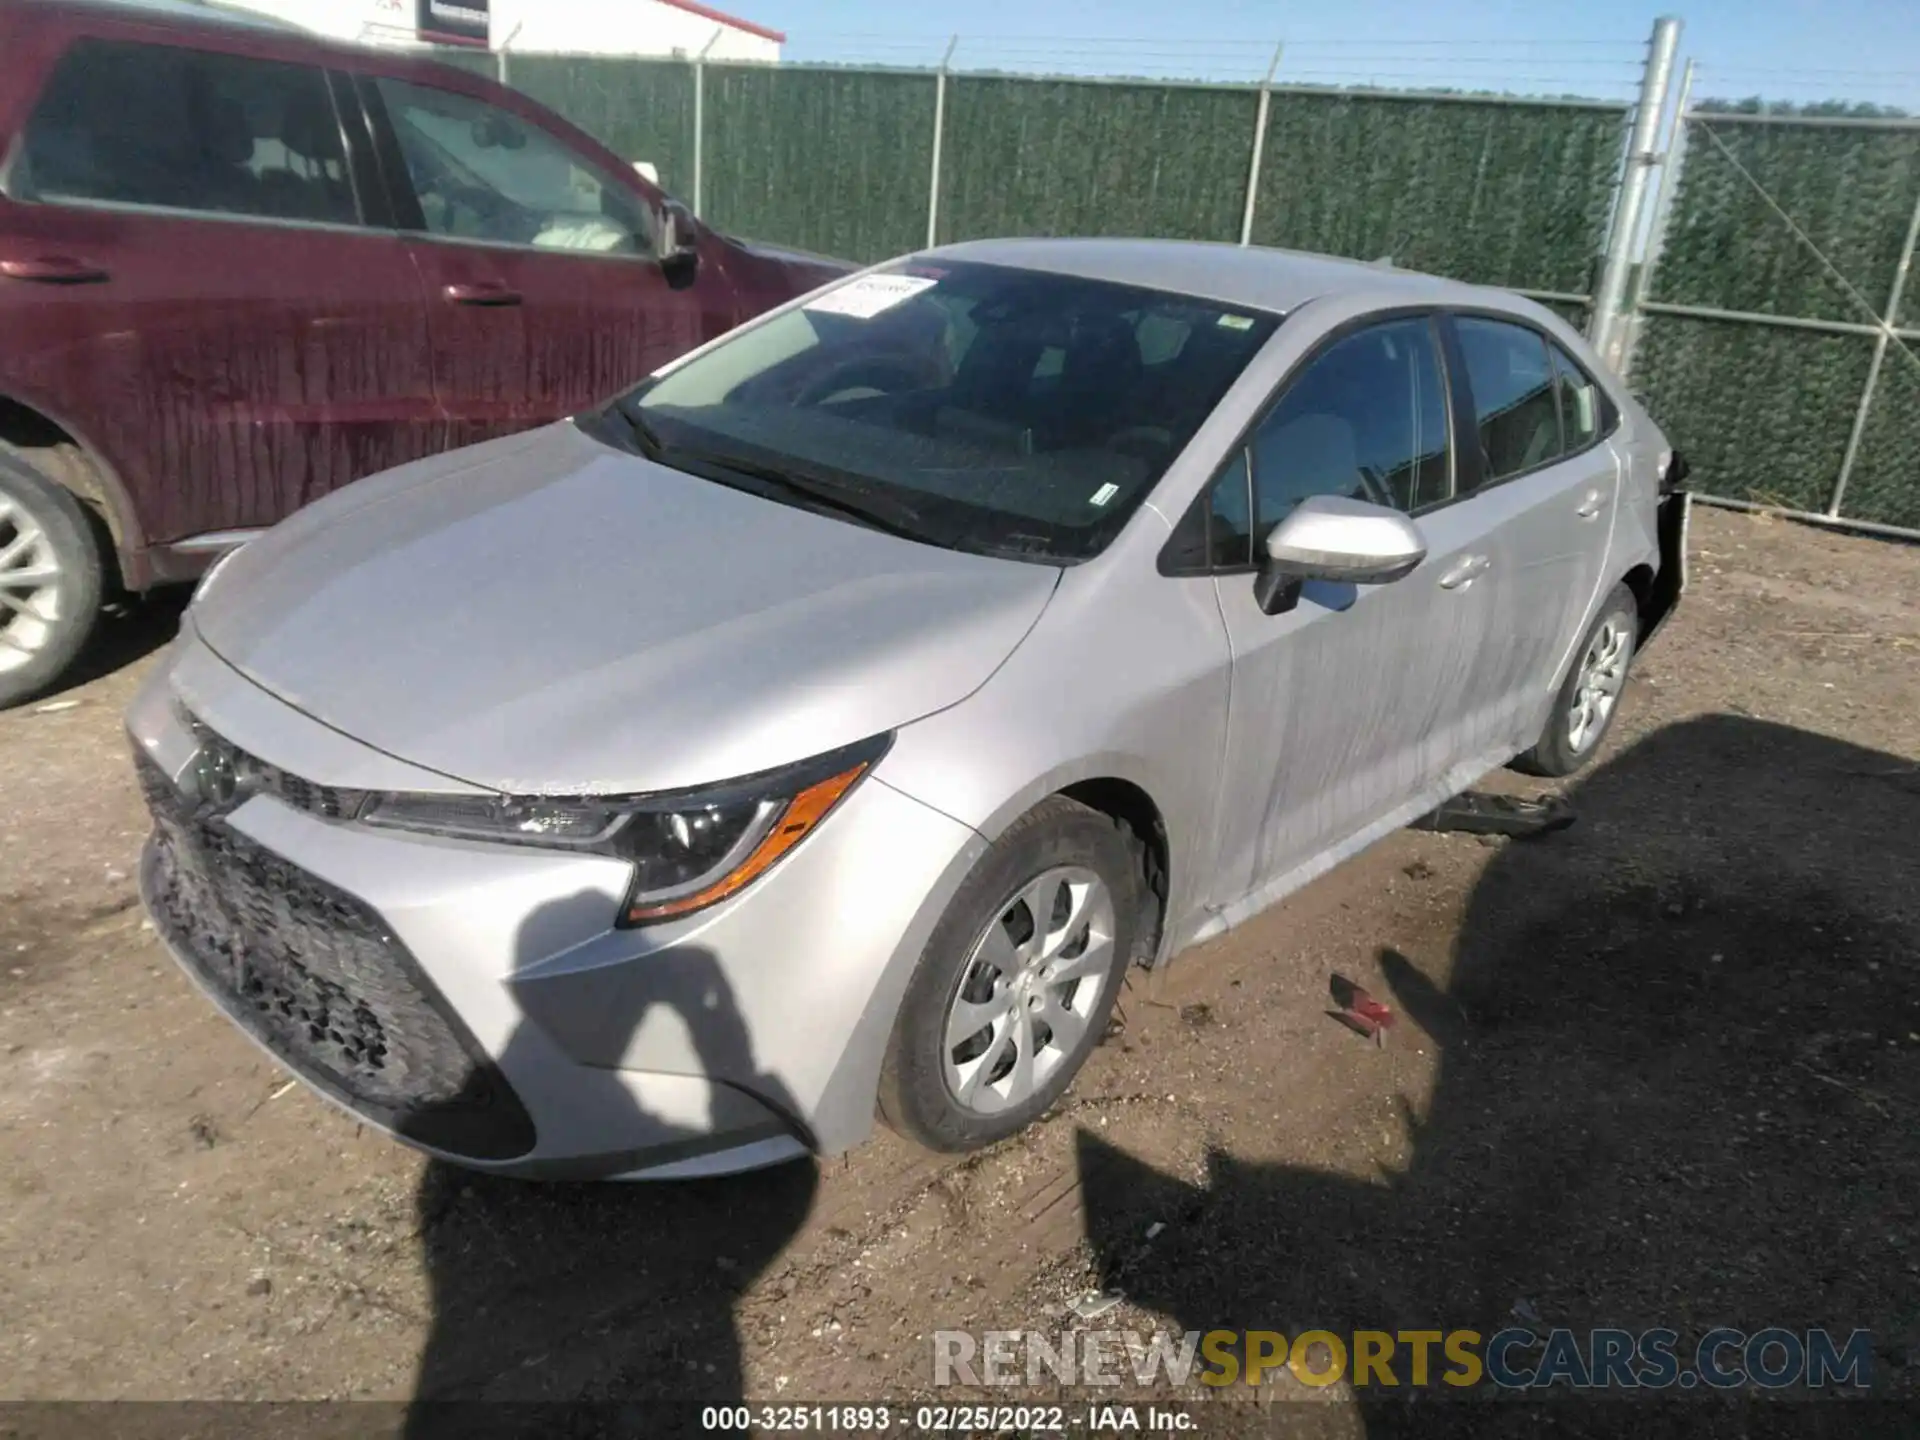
[(549, 615)]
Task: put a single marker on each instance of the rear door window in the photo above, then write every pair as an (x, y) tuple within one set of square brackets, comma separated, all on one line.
[(124, 123), (1516, 411), (1582, 406)]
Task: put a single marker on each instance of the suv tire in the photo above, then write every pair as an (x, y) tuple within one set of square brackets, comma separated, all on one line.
[(51, 577)]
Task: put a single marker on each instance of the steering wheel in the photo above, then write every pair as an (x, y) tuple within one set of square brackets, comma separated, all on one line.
[(863, 376), (494, 216)]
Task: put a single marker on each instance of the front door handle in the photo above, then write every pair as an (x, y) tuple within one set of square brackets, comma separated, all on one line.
[(1462, 572), (1591, 505), (481, 292), (52, 270)]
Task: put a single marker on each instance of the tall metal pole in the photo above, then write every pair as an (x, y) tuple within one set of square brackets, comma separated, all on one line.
[(700, 118), (939, 132), (1641, 157), (1259, 147), (1670, 162), (1880, 343), (500, 65)]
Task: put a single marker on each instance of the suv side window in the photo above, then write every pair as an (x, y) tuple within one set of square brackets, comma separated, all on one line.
[(484, 174), (1514, 404), (124, 123)]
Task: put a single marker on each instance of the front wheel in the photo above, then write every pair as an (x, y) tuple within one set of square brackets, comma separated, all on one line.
[(50, 580), (1017, 981), (1583, 711)]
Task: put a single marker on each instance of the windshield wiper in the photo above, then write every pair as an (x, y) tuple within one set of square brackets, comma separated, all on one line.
[(644, 435), (816, 492)]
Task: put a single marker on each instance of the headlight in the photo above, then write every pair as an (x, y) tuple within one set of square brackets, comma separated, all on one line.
[(688, 850)]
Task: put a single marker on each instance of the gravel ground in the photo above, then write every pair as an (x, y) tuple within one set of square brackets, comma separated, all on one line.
[(1658, 1069)]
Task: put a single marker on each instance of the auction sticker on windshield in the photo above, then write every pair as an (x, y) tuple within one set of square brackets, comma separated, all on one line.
[(869, 295)]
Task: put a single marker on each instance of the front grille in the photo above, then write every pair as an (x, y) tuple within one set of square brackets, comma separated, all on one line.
[(317, 977)]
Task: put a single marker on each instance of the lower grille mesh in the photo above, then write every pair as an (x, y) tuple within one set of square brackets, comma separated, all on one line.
[(316, 976)]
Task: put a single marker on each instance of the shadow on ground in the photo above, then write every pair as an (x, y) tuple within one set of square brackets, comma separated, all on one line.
[(130, 628), (600, 1308), (1680, 1058)]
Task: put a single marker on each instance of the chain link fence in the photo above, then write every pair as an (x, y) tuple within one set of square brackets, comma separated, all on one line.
[(1778, 336)]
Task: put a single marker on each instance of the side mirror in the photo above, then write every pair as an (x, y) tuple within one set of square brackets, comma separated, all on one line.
[(1329, 537), (679, 244)]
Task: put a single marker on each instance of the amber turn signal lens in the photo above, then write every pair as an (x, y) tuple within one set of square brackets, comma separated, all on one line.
[(803, 812)]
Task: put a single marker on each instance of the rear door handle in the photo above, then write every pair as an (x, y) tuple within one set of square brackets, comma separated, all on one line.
[(1462, 572), (482, 292), (1590, 506), (52, 270)]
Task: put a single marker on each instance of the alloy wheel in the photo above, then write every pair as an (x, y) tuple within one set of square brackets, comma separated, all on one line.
[(1027, 994), (29, 586), (1603, 674)]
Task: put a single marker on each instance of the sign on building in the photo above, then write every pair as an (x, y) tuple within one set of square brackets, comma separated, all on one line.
[(457, 22)]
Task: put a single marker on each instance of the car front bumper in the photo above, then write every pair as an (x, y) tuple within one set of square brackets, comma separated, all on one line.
[(479, 1002)]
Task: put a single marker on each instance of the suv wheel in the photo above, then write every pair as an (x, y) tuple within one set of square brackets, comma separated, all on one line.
[(50, 580), (1583, 710), (1016, 983)]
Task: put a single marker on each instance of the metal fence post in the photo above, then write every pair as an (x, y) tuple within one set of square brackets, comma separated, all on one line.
[(1880, 342), (1609, 300), (500, 63), (939, 131), (1670, 163), (1259, 147), (700, 118)]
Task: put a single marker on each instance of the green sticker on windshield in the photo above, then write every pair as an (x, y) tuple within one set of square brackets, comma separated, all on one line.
[(1237, 322)]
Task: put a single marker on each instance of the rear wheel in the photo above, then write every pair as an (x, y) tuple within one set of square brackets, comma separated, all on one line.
[(1583, 710), (50, 580), (1017, 982)]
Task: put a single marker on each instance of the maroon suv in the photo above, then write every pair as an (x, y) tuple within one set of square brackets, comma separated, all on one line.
[(240, 267)]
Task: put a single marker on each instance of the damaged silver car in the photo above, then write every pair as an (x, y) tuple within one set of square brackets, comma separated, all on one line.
[(821, 729)]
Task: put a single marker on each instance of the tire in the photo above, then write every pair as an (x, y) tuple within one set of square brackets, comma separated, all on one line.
[(1562, 747), (44, 622), (1059, 845)]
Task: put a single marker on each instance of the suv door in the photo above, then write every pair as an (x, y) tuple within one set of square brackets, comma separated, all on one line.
[(187, 280), (545, 293), (1362, 700), (1549, 483)]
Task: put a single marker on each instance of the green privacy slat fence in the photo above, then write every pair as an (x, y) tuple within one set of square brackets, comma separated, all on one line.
[(1885, 484), (837, 161), (1850, 190), (1064, 157), (640, 109), (1494, 193), (1764, 412)]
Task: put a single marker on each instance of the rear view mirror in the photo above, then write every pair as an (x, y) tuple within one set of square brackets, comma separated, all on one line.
[(679, 243), (1330, 537)]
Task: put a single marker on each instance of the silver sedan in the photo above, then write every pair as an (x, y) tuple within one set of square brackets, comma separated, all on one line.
[(824, 727)]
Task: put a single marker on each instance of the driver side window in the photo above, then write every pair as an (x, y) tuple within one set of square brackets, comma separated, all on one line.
[(486, 175), (1366, 418)]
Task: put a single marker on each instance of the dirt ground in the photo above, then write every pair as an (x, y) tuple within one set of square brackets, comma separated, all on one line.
[(1659, 1069)]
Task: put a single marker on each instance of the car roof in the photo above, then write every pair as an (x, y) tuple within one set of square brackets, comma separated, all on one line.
[(1249, 275), (208, 12)]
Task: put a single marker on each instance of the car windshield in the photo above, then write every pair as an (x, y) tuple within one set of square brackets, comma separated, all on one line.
[(979, 407)]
